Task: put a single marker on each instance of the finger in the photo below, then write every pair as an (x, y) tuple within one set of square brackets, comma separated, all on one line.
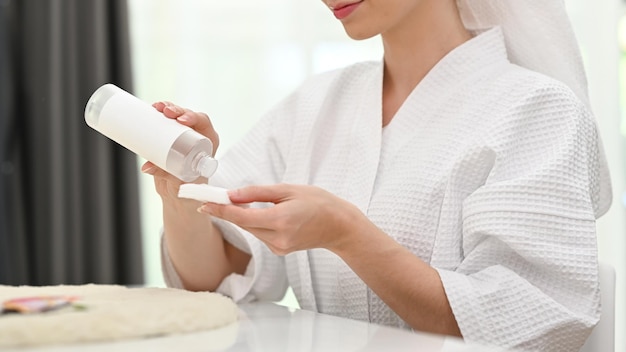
[(169, 109), (270, 193), (197, 120), (259, 218), (148, 168), (201, 123), (153, 170), (173, 111), (160, 173), (269, 237), (159, 105)]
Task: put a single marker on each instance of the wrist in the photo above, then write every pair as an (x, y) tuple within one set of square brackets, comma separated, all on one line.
[(184, 220), (354, 228)]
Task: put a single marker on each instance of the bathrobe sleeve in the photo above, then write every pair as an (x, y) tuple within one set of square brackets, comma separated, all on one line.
[(529, 276)]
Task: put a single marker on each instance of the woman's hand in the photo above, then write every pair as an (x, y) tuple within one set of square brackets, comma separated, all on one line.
[(199, 121), (306, 217), (303, 217), (199, 253), (166, 184), (180, 215)]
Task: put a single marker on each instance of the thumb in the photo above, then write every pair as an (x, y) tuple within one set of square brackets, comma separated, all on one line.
[(269, 193)]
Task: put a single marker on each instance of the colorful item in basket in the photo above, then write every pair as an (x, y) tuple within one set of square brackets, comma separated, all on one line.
[(37, 304)]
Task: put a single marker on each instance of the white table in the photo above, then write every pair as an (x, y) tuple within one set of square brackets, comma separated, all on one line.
[(273, 328)]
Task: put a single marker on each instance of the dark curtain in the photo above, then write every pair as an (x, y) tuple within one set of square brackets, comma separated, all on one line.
[(69, 207)]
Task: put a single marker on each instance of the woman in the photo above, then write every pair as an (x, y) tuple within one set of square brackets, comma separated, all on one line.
[(444, 189)]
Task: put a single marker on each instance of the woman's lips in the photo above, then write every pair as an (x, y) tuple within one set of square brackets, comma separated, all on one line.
[(343, 11)]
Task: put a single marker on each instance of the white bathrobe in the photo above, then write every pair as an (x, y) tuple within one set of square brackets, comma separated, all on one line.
[(488, 172)]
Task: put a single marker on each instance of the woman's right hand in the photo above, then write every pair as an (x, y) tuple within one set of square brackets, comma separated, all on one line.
[(180, 215), (194, 244), (166, 184)]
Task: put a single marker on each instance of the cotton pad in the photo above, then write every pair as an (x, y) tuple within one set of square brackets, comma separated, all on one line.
[(204, 193)]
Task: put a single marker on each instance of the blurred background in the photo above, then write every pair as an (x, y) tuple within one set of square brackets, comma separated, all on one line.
[(74, 207)]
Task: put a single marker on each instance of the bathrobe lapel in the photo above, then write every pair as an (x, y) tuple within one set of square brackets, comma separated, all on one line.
[(366, 134), (359, 118), (447, 82), (364, 159)]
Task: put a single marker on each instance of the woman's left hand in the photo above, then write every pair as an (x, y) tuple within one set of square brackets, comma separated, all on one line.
[(303, 217), (306, 217)]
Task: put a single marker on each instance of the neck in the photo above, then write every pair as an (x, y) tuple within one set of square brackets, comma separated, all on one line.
[(414, 47)]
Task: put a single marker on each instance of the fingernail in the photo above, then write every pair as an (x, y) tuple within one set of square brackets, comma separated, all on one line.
[(148, 169), (175, 109), (205, 209), (183, 118)]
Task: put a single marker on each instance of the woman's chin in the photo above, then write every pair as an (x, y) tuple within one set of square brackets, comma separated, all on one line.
[(359, 34)]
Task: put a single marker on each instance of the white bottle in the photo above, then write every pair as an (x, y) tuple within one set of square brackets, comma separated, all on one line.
[(139, 127)]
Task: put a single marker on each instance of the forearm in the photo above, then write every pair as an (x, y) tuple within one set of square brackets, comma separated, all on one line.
[(409, 286), (200, 255)]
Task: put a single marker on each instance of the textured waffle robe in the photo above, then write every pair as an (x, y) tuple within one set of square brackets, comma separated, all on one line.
[(488, 172)]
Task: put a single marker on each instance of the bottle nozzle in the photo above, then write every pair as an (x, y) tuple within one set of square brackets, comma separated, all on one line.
[(207, 166)]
